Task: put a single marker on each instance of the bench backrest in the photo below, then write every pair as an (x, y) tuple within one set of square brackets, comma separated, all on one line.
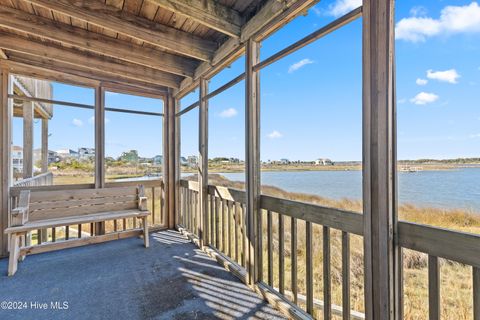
[(66, 203)]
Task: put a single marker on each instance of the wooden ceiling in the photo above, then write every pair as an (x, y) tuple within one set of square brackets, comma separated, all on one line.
[(151, 44)]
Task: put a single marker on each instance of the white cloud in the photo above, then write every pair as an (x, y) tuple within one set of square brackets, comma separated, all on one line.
[(449, 76), (421, 82), (401, 101), (228, 113), (453, 19), (275, 135), (77, 122), (294, 67), (341, 7), (474, 136), (424, 98)]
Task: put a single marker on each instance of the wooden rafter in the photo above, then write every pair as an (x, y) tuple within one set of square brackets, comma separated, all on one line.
[(39, 68), (209, 13), (273, 15), (97, 13), (89, 61), (3, 55), (35, 25)]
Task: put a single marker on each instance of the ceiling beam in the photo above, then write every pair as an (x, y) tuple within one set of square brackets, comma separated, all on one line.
[(272, 16), (41, 68), (209, 13), (43, 27), (94, 62), (108, 17)]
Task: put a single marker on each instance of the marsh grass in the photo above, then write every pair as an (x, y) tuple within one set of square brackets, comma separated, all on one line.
[(456, 278)]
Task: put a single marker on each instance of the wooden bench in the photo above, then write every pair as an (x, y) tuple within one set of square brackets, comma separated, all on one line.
[(49, 209)]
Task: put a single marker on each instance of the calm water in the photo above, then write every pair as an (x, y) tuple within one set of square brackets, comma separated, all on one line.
[(448, 188)]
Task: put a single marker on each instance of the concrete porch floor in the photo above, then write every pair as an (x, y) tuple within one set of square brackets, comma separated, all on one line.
[(122, 280)]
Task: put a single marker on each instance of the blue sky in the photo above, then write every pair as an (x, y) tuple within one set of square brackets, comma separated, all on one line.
[(311, 100)]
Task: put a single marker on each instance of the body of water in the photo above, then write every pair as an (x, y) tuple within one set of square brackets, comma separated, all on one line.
[(458, 188)]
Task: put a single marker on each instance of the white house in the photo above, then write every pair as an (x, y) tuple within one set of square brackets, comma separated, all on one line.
[(323, 162), (17, 158)]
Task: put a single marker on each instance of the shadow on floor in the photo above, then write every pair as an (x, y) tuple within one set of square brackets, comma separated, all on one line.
[(122, 280)]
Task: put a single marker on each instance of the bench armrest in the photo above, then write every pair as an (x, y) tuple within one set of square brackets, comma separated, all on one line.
[(19, 216), (142, 203)]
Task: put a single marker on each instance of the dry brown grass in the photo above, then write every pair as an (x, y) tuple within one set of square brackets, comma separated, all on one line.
[(456, 279)]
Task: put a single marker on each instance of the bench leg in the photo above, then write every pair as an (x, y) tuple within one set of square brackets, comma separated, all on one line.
[(14, 254), (146, 240), (22, 243)]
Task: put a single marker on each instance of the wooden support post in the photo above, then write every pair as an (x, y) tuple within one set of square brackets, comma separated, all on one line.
[(169, 152), (379, 192), (177, 163), (44, 145), (6, 111), (28, 139), (99, 147), (203, 163), (252, 160)]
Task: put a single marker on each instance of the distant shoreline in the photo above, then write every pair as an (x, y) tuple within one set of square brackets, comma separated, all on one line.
[(402, 167)]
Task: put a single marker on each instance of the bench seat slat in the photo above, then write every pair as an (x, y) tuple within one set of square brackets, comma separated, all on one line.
[(80, 219), (77, 194), (41, 205)]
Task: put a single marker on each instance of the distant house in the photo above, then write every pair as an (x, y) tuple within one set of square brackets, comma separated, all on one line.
[(192, 161), (158, 160), (52, 156), (86, 153), (67, 154), (17, 158), (284, 161), (324, 162), (183, 161)]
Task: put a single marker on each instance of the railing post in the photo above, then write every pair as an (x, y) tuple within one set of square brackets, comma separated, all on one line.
[(203, 163), (5, 155), (379, 161), (99, 147), (169, 152), (252, 159)]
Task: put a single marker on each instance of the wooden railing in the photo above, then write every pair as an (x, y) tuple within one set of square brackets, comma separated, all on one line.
[(154, 190), (299, 225), (44, 179)]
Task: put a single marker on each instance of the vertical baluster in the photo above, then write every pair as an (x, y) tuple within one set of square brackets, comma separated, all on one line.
[(54, 234), (309, 266), (476, 293), (212, 220), (327, 294), (115, 227), (433, 288), (281, 253), (217, 223), (244, 237), (236, 234), (270, 248), (346, 275), (91, 229), (67, 232), (294, 259), (79, 232), (124, 224), (224, 225), (153, 205), (229, 229)]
